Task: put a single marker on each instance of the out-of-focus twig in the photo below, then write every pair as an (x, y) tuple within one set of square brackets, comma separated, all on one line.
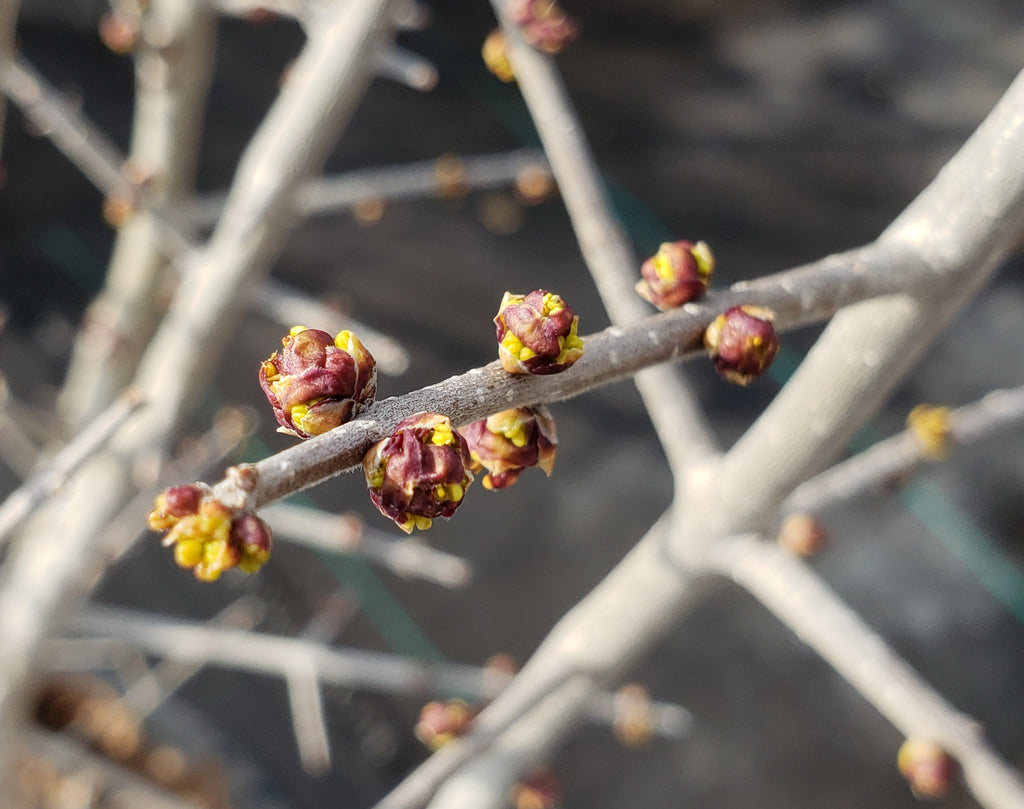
[(787, 587), (407, 67), (47, 480), (345, 533), (353, 668), (331, 194), (902, 454)]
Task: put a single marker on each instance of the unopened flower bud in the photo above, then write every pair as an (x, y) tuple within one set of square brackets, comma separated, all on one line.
[(440, 722), (543, 24), (251, 536), (742, 342), (930, 771), (540, 790), (317, 382), (802, 535), (495, 54), (931, 428), (537, 333), (634, 720), (420, 472), (173, 504), (678, 273), (506, 443)]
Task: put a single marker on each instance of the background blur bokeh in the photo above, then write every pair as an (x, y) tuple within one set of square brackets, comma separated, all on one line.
[(776, 130)]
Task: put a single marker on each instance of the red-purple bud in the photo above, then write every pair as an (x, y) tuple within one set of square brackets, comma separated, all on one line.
[(537, 333), (678, 273), (173, 504), (251, 536), (506, 443), (742, 342), (420, 472), (543, 24), (440, 722), (930, 771), (317, 382)]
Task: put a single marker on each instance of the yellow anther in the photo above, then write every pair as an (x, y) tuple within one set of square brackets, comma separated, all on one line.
[(377, 478), (188, 552), (551, 304), (705, 259), (662, 266), (526, 353), (931, 427), (455, 492), (442, 435), (296, 330)]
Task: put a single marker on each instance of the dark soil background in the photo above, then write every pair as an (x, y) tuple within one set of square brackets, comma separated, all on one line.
[(777, 131)]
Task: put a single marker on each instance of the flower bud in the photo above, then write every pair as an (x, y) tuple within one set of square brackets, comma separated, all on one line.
[(316, 383), (539, 790), (928, 768), (931, 428), (173, 504), (207, 536), (420, 472), (440, 722), (634, 720), (495, 54), (802, 535), (678, 273), (742, 342), (506, 443), (543, 24), (536, 333), (251, 536)]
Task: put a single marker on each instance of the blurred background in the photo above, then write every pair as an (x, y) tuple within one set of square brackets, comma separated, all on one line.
[(778, 132)]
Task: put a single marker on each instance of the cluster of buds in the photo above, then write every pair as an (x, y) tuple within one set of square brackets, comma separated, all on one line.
[(420, 472), (930, 771), (931, 428), (440, 722), (207, 536), (543, 24), (317, 382), (537, 333), (508, 442), (742, 342), (678, 273)]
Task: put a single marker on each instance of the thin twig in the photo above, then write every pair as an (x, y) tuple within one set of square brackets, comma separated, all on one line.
[(345, 533), (792, 591), (352, 668), (48, 480), (407, 67), (902, 455), (328, 195)]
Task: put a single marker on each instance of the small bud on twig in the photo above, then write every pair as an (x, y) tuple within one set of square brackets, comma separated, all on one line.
[(543, 24), (495, 54), (678, 273), (742, 342), (802, 535), (508, 442), (440, 722), (537, 333), (928, 768), (420, 472), (931, 428), (316, 382)]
